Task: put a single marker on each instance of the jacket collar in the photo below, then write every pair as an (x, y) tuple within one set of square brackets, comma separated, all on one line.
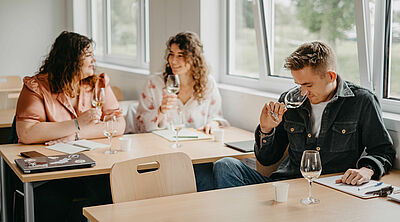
[(343, 90)]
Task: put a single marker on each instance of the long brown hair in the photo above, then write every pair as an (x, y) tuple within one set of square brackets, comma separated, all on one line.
[(64, 61), (192, 48)]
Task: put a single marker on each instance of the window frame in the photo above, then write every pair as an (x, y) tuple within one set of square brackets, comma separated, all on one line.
[(264, 25), (382, 52), (142, 57)]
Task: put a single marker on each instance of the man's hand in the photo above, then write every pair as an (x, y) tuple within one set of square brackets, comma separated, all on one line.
[(356, 176), (267, 119)]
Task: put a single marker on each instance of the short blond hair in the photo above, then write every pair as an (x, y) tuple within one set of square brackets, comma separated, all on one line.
[(318, 55)]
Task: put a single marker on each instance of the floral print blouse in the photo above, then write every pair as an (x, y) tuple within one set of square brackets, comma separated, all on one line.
[(195, 114)]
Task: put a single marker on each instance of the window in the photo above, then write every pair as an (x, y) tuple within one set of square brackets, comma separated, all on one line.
[(243, 57), (119, 29), (392, 78), (299, 21), (261, 34)]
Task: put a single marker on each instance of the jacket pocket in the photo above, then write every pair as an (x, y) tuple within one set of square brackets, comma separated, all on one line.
[(344, 136), (296, 135)]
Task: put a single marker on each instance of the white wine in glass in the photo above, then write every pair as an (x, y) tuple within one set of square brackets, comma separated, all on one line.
[(98, 97), (110, 129), (310, 168), (173, 84), (177, 124)]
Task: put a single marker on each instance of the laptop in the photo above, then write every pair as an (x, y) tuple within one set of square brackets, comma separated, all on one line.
[(244, 146), (52, 163)]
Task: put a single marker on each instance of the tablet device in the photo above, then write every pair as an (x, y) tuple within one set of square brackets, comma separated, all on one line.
[(244, 146), (57, 162)]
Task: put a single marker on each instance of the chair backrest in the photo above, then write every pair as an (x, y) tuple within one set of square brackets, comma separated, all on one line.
[(174, 176), (10, 82), (13, 136), (268, 170), (117, 93)]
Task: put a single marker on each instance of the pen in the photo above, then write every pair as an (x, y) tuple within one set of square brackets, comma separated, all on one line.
[(186, 136), (373, 185)]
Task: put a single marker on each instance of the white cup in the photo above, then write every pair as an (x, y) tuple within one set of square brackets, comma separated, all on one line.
[(281, 191), (125, 143), (218, 135)]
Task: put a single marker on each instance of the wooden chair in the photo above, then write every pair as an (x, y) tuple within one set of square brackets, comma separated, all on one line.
[(117, 92), (10, 83), (268, 170), (10, 87), (173, 174)]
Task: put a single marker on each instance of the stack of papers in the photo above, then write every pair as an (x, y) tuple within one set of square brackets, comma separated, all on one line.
[(76, 146), (186, 134)]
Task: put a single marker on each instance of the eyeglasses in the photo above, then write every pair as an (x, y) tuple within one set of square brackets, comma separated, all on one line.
[(384, 192)]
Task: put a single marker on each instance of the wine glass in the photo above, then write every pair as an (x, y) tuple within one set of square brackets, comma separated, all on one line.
[(294, 98), (98, 97), (310, 168), (110, 129), (177, 124), (173, 84)]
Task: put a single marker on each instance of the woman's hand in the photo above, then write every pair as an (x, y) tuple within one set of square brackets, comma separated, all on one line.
[(88, 117), (61, 140), (271, 116), (169, 102), (210, 126)]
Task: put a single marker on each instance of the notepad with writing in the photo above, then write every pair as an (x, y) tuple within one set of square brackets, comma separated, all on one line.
[(186, 134), (359, 191), (76, 146)]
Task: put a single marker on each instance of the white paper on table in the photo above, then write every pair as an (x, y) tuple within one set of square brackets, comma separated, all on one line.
[(89, 144), (190, 133), (76, 146), (66, 148), (358, 191)]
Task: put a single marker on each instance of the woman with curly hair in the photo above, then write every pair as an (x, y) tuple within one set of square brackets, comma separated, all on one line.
[(198, 98), (55, 105), (58, 100)]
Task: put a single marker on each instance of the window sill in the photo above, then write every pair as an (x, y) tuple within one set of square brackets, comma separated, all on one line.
[(248, 91), (123, 68), (391, 120)]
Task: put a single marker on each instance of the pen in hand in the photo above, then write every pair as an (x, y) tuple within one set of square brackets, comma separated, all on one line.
[(369, 186)]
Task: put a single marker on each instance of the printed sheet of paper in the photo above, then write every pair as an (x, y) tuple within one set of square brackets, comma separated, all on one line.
[(76, 146), (186, 134), (358, 191)]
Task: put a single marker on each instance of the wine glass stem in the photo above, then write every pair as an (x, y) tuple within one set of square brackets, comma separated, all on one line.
[(310, 189), (176, 138), (110, 142)]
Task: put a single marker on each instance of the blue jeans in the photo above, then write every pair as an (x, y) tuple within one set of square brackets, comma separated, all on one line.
[(204, 176), (231, 172)]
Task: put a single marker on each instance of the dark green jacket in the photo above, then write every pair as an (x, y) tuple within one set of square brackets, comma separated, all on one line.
[(352, 135)]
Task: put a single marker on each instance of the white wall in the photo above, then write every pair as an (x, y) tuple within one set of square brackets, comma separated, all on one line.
[(27, 30)]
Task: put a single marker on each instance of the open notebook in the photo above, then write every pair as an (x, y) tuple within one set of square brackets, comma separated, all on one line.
[(358, 191), (186, 134)]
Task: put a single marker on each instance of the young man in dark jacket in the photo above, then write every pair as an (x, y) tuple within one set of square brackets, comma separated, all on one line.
[(339, 119)]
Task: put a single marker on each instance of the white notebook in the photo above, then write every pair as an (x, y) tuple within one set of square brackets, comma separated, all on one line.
[(358, 191), (76, 146), (186, 134)]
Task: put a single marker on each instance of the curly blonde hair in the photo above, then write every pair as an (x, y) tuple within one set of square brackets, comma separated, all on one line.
[(190, 44)]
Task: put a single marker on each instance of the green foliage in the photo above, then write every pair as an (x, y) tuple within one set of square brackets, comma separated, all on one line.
[(328, 18)]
